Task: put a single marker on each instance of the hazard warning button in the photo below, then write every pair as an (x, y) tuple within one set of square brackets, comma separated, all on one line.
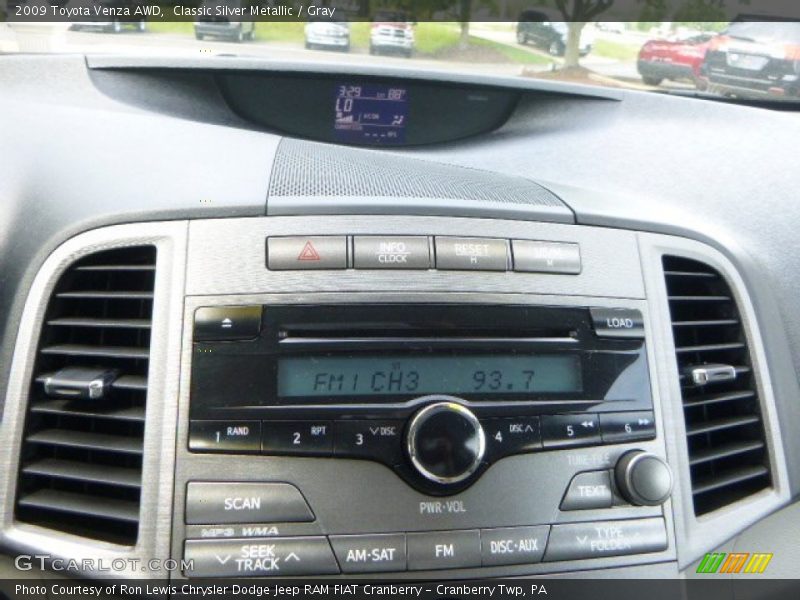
[(300, 252)]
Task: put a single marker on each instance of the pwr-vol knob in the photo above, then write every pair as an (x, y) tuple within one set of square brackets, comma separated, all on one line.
[(643, 479), (445, 442)]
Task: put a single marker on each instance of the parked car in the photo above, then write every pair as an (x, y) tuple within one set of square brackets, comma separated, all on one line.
[(536, 27), (220, 26), (679, 59), (115, 25), (610, 26), (391, 32), (755, 59), (328, 35)]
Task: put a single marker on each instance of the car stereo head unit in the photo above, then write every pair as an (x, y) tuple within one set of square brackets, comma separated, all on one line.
[(436, 392)]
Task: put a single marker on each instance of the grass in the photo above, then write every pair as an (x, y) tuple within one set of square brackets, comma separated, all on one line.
[(433, 39), (615, 50), (512, 53)]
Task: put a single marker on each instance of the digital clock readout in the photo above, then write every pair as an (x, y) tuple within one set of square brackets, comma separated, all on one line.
[(419, 375), (373, 114)]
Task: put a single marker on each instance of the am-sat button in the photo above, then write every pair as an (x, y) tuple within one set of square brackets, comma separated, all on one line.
[(370, 553)]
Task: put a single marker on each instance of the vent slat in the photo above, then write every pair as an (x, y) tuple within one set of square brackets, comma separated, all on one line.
[(721, 424), (707, 323), (698, 274), (67, 408), (79, 504), (728, 453), (106, 295), (736, 476), (709, 347), (116, 268), (717, 398), (89, 440), (725, 451), (83, 456), (699, 298), (84, 472), (101, 323), (98, 351)]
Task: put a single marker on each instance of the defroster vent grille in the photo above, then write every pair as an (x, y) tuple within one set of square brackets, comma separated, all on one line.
[(727, 450), (81, 464)]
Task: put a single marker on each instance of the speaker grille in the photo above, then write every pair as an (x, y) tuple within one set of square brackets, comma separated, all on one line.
[(310, 169)]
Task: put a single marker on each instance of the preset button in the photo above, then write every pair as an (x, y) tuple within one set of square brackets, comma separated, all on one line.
[(564, 431), (373, 439), (297, 437), (225, 436)]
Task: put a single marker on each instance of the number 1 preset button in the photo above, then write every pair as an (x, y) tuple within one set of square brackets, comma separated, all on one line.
[(314, 438)]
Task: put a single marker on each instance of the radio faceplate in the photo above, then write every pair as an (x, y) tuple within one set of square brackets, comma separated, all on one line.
[(352, 381)]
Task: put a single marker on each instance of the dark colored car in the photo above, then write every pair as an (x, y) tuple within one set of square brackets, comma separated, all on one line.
[(672, 59), (755, 59), (537, 28), (114, 24)]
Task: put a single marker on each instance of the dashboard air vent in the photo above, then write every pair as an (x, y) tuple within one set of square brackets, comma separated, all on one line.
[(81, 462), (727, 449)]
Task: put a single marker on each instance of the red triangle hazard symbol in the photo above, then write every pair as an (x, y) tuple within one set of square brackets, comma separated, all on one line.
[(308, 252)]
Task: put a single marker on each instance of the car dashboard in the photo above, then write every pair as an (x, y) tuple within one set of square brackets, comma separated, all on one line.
[(552, 332)]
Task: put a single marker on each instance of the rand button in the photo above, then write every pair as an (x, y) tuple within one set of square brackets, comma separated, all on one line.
[(225, 436), (391, 252), (303, 253), (260, 557), (216, 502)]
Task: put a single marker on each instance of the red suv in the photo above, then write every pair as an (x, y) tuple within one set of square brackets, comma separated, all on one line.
[(680, 59)]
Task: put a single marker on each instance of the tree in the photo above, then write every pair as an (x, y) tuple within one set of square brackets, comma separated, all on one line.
[(577, 13)]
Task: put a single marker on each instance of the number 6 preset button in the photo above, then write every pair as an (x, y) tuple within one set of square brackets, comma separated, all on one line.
[(314, 438), (562, 431)]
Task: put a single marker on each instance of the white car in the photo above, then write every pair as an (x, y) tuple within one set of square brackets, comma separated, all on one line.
[(391, 36), (328, 35)]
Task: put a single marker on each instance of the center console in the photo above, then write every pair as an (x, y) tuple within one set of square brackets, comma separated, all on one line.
[(358, 419)]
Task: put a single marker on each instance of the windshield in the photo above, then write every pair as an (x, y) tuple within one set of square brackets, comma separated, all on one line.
[(539, 42)]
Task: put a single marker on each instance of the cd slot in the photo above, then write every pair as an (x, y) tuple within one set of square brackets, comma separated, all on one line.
[(383, 333), (427, 341)]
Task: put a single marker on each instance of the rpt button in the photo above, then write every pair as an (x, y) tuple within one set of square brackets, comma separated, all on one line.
[(234, 502)]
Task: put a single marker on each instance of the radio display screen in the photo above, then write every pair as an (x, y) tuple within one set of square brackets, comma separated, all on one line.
[(370, 114), (428, 374)]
